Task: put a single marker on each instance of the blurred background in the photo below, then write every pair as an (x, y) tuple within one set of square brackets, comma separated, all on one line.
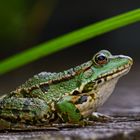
[(24, 24)]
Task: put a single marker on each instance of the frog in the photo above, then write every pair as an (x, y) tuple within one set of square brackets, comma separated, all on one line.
[(50, 99)]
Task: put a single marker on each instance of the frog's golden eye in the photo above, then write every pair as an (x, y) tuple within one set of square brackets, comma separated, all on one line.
[(100, 59)]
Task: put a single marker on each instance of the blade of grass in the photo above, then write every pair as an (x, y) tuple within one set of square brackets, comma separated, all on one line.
[(69, 39)]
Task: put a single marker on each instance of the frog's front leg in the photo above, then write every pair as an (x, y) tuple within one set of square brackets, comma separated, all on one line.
[(69, 113), (74, 110)]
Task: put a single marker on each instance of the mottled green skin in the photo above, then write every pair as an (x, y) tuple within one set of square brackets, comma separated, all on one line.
[(68, 97)]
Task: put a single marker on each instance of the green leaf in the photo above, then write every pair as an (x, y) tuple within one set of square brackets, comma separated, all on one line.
[(69, 39)]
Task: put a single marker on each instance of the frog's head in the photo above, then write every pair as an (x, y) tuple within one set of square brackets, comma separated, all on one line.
[(107, 66), (104, 72)]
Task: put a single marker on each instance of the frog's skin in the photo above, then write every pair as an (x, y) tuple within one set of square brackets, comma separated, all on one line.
[(68, 97)]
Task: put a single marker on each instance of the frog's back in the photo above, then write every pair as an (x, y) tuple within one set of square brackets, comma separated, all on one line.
[(38, 78), (46, 85), (32, 87)]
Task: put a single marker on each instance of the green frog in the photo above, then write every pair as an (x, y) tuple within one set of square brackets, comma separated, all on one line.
[(68, 97)]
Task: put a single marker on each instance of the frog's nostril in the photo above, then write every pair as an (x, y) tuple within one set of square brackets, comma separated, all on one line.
[(129, 59)]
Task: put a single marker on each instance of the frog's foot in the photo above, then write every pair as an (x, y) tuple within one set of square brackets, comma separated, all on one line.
[(98, 117), (8, 126)]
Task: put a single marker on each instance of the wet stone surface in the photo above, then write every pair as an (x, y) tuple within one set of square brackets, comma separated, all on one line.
[(121, 128)]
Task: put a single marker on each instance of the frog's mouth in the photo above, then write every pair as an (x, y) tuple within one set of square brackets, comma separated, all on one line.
[(114, 74)]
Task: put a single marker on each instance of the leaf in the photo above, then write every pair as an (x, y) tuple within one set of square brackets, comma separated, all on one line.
[(68, 40)]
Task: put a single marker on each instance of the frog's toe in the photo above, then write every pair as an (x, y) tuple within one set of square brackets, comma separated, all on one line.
[(100, 117)]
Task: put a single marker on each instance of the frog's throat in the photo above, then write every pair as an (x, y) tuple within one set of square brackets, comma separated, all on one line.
[(103, 89)]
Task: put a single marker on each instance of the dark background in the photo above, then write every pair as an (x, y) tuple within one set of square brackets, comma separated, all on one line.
[(25, 23)]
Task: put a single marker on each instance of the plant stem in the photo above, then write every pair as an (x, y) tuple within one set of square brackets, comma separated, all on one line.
[(69, 39)]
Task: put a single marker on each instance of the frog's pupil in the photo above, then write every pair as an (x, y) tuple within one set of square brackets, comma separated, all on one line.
[(101, 57)]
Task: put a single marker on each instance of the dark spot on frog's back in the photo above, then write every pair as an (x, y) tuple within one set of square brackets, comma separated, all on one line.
[(99, 81), (75, 92), (81, 100), (44, 87)]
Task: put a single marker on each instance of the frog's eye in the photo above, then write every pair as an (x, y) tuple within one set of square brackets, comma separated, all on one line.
[(100, 59)]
